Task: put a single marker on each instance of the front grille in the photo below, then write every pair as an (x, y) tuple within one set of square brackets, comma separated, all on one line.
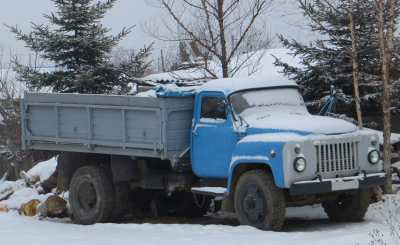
[(337, 158)]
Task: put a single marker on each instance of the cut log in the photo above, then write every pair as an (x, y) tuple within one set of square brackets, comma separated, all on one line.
[(29, 208), (53, 207), (3, 208)]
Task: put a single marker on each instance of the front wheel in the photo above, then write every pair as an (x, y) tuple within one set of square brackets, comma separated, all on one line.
[(348, 207), (258, 202), (92, 196)]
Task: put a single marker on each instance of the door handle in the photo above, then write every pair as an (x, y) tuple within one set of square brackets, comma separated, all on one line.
[(194, 131)]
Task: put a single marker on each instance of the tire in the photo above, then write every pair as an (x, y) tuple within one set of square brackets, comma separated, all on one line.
[(348, 207), (258, 202), (91, 196)]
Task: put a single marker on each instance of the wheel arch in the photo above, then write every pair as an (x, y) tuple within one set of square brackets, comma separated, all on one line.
[(240, 167), (70, 162)]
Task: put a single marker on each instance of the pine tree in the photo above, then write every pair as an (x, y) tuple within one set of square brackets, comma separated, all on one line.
[(136, 64), (78, 45), (328, 60)]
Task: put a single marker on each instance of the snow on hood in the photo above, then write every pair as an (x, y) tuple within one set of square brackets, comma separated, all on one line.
[(304, 123)]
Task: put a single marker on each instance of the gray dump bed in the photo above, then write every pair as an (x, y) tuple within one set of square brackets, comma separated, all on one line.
[(120, 125)]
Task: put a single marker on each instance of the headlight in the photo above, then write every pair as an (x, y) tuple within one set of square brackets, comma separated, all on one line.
[(300, 164), (374, 157)]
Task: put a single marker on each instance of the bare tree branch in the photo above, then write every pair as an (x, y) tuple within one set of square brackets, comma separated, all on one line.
[(224, 29), (259, 6)]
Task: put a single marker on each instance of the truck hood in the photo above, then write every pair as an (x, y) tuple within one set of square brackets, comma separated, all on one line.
[(303, 123)]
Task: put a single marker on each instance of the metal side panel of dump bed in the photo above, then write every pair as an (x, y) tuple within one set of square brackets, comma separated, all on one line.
[(120, 125)]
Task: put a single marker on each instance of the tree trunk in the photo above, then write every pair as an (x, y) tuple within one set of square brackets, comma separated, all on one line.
[(356, 73), (224, 52), (386, 47), (162, 61)]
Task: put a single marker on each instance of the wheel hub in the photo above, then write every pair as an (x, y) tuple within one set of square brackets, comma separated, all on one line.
[(253, 205), (87, 196)]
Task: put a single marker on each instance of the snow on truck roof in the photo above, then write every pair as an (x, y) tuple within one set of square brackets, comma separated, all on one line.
[(232, 85)]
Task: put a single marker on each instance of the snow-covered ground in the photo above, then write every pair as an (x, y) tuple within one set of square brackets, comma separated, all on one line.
[(304, 226), (307, 225)]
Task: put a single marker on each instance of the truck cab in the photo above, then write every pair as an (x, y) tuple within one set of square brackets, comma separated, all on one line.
[(265, 131), (247, 141)]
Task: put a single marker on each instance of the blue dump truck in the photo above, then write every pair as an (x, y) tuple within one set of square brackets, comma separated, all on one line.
[(249, 142)]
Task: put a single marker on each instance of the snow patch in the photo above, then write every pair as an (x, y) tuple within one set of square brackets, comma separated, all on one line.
[(272, 137), (149, 93), (294, 137), (256, 158), (231, 85), (215, 190), (21, 192), (301, 123), (212, 120), (193, 74), (44, 169), (306, 226), (22, 196)]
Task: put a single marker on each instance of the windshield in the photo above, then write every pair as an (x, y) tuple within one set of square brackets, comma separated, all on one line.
[(257, 101)]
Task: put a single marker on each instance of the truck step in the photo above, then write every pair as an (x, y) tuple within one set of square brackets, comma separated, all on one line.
[(218, 192)]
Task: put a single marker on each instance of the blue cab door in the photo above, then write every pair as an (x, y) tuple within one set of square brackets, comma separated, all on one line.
[(213, 136)]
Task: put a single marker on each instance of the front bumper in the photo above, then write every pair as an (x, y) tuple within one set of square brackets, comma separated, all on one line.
[(337, 184)]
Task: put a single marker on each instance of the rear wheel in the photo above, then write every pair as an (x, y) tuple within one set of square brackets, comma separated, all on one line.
[(348, 207), (258, 202), (91, 196)]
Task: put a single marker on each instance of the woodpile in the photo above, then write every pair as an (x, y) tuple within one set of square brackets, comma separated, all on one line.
[(29, 197), (53, 207)]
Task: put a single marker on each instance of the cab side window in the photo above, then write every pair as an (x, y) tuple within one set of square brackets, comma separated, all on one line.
[(213, 108)]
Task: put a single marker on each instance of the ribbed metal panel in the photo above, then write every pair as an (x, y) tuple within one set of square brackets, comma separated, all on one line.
[(337, 158)]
